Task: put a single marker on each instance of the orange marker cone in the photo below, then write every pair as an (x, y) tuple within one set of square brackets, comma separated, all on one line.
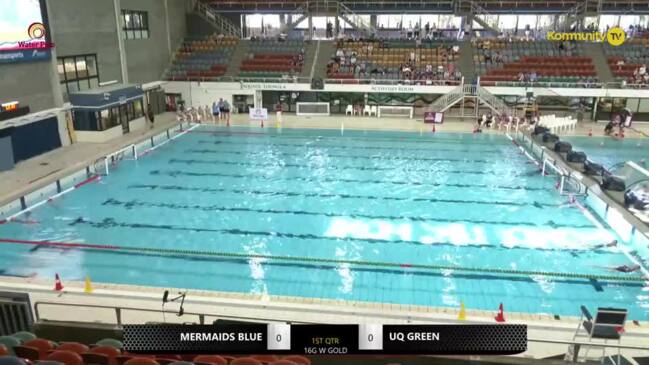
[(262, 124), (433, 128), (58, 286), (500, 317), (590, 132), (88, 287), (462, 315)]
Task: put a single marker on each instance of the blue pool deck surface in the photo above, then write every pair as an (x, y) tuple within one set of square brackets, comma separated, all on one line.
[(448, 199)]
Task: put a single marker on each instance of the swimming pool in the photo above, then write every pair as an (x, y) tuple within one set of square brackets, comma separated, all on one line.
[(609, 151), (392, 200)]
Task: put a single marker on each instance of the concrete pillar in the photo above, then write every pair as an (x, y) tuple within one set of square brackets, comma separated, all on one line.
[(310, 30), (166, 5), (55, 83), (373, 20), (282, 21), (120, 40), (258, 99), (337, 27)]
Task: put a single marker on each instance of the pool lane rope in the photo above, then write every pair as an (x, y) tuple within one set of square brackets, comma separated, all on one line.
[(315, 261)]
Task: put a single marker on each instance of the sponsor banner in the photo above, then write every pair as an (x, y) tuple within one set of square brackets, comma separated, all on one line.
[(258, 114), (25, 55)]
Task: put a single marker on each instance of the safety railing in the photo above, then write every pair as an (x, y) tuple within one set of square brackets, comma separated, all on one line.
[(578, 84), (394, 82), (495, 102), (361, 24), (119, 312), (226, 26)]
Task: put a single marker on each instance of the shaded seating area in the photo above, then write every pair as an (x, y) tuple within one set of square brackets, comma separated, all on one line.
[(202, 59), (516, 61), (273, 58), (416, 61), (626, 59)]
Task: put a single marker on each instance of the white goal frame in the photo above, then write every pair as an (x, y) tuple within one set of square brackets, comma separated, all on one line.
[(299, 113), (112, 159), (408, 110)]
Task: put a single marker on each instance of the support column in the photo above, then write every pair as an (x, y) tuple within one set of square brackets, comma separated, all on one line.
[(337, 27), (310, 30), (258, 99), (120, 40), (166, 4), (373, 21), (55, 83)]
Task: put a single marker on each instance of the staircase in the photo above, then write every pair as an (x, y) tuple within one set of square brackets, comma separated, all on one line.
[(595, 51), (310, 49), (360, 24), (222, 24), (451, 98), (238, 56), (483, 17), (465, 62), (296, 16), (493, 102), (327, 50)]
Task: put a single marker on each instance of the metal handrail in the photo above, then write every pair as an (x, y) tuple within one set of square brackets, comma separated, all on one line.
[(403, 82), (119, 311), (594, 344)]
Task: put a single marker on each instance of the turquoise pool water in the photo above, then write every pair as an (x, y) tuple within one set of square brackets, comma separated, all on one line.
[(438, 199), (609, 151)]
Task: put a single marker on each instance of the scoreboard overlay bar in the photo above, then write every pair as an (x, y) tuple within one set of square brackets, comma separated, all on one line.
[(306, 339)]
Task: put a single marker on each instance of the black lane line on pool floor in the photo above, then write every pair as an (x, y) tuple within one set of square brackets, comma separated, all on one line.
[(414, 138), (218, 208), (394, 198), (108, 223), (263, 154), (314, 146), (388, 271), (190, 162), (175, 173)]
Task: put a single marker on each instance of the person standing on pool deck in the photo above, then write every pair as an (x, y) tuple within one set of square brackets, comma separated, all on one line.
[(215, 111), (225, 110), (220, 106)]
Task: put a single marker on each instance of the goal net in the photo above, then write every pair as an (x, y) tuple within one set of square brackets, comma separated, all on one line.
[(390, 111), (104, 165), (306, 109)]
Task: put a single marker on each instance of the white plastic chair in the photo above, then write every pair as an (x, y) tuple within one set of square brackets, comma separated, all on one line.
[(373, 110), (367, 110), (349, 110)]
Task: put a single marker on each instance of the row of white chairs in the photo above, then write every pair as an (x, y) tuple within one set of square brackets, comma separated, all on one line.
[(555, 124), (367, 110)]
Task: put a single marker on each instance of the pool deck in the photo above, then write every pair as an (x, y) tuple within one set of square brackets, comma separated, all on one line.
[(39, 171)]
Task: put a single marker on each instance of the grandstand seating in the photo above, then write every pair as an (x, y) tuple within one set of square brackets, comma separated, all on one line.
[(501, 60), (202, 59), (273, 58), (633, 54), (46, 352), (385, 60)]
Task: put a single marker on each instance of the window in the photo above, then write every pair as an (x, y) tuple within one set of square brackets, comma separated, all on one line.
[(78, 72), (135, 24)]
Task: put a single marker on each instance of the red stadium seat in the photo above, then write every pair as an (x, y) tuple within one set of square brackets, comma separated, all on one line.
[(42, 345), (27, 352), (91, 358), (265, 358), (245, 361), (65, 357), (141, 361), (283, 362), (76, 347), (3, 351), (299, 360), (210, 359)]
